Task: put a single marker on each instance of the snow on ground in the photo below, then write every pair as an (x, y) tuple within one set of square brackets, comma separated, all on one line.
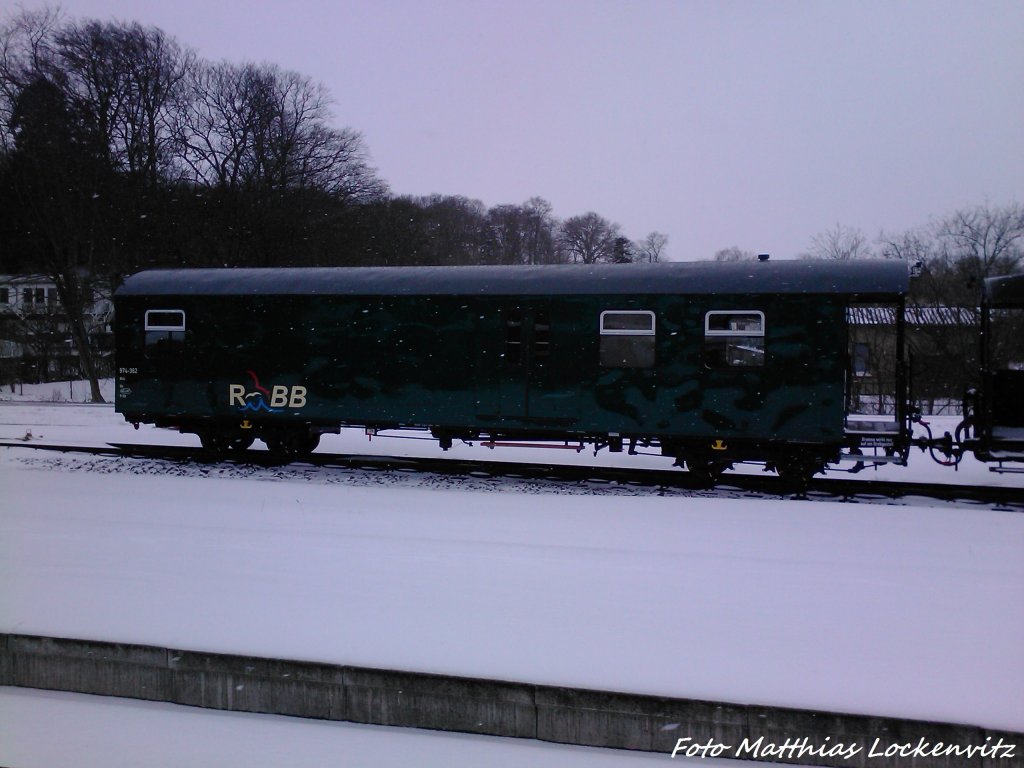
[(98, 732), (913, 611)]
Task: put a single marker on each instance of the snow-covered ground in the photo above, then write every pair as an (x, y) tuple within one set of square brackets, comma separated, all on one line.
[(913, 609), (55, 392)]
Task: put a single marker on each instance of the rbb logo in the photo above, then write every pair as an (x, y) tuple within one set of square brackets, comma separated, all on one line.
[(259, 398)]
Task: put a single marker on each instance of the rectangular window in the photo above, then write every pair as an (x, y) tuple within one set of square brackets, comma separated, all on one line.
[(734, 339), (164, 326), (165, 320), (33, 296), (5, 295), (627, 339)]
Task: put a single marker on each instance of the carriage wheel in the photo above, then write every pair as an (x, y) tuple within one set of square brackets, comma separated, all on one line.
[(706, 471), (292, 444), (240, 442), (225, 441), (797, 471)]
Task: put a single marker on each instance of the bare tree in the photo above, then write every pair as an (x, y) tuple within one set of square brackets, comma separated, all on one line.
[(912, 246), (971, 245), (456, 229), (259, 127), (651, 249), (258, 139), (840, 244), (92, 75), (26, 53), (505, 237), (589, 238), (990, 240), (218, 126), (734, 253), (120, 79), (156, 70), (539, 246)]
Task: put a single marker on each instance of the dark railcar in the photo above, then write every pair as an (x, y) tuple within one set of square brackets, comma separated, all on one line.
[(715, 363), (993, 426)]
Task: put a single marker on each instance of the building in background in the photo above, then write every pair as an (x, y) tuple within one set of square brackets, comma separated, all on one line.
[(35, 342)]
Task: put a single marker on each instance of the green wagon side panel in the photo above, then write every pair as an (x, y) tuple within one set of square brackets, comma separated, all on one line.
[(446, 361)]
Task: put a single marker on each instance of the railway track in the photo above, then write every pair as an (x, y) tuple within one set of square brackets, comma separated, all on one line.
[(767, 485)]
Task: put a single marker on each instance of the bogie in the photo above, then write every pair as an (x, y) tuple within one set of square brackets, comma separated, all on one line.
[(705, 470), (219, 441), (796, 470)]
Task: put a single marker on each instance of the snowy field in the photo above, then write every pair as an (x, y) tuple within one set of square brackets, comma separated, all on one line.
[(913, 609)]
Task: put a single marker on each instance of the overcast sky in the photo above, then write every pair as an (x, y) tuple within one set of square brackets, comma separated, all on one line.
[(754, 124)]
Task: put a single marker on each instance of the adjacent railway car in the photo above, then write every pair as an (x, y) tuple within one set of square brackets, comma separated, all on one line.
[(714, 363), (993, 426)]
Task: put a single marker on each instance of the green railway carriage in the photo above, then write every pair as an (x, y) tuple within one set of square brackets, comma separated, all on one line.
[(715, 363)]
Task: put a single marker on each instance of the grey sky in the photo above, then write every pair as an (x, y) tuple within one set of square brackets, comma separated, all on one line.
[(717, 123)]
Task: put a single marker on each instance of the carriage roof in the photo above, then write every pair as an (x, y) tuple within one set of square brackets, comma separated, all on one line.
[(866, 279)]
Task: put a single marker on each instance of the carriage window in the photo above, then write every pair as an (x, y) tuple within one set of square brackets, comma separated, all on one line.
[(164, 325), (734, 339), (627, 339)]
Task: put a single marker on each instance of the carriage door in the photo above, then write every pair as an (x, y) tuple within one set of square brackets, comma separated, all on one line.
[(534, 387)]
